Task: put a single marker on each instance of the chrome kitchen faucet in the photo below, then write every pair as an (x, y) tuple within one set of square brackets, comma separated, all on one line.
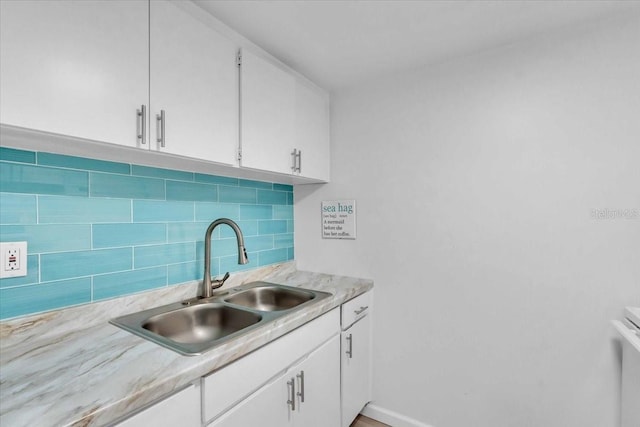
[(207, 283)]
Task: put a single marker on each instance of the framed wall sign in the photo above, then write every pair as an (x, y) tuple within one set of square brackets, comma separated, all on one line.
[(339, 219)]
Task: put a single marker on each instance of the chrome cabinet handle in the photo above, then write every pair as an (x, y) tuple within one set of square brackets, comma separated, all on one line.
[(350, 351), (294, 156), (301, 392), (362, 310), (296, 160), (141, 124), (160, 121), (292, 394)]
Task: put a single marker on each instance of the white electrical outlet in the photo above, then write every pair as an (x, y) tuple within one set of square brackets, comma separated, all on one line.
[(14, 259)]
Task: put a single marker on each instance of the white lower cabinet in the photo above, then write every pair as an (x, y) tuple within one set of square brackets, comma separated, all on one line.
[(307, 394), (356, 356), (180, 409), (297, 380), (254, 385), (356, 367)]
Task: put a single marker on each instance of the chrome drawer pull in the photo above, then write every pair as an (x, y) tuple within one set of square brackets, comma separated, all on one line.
[(362, 310)]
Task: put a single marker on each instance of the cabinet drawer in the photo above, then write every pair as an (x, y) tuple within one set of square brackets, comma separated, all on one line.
[(356, 308), (226, 387)]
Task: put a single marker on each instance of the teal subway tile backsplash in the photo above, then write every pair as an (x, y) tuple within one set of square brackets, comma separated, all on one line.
[(255, 184), (225, 247), (149, 256), (272, 256), (283, 240), (249, 228), (237, 195), (82, 163), (161, 173), (126, 187), (20, 156), (188, 271), (272, 227), (18, 208), (23, 300), (30, 179), (181, 190), (115, 284), (283, 187), (207, 211), (260, 243), (97, 229), (82, 210), (188, 231), (214, 179), (282, 212), (116, 235), (256, 211), (162, 211), (49, 238), (65, 265), (270, 197)]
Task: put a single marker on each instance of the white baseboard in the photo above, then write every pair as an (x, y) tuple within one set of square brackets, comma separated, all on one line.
[(389, 417)]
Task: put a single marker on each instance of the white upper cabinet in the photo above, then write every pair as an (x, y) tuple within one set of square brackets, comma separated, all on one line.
[(74, 68), (284, 121), (194, 81), (312, 131), (161, 76), (89, 70), (267, 114)]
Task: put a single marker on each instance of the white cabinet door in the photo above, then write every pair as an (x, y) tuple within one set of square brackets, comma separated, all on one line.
[(321, 388), (194, 80), (312, 131), (77, 68), (306, 395), (180, 409), (267, 407), (267, 115), (280, 113), (356, 369)]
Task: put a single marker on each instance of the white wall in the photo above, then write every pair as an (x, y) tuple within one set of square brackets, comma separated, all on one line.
[(475, 183)]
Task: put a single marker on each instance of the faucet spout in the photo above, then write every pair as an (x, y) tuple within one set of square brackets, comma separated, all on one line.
[(207, 284)]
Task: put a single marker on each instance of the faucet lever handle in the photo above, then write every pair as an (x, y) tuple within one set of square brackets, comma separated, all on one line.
[(218, 283)]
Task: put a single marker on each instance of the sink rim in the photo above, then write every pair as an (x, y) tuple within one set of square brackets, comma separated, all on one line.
[(133, 322)]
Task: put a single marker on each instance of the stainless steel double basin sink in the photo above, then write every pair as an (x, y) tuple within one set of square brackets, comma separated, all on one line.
[(195, 326)]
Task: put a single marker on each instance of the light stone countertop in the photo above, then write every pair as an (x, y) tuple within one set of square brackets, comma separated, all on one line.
[(71, 367)]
